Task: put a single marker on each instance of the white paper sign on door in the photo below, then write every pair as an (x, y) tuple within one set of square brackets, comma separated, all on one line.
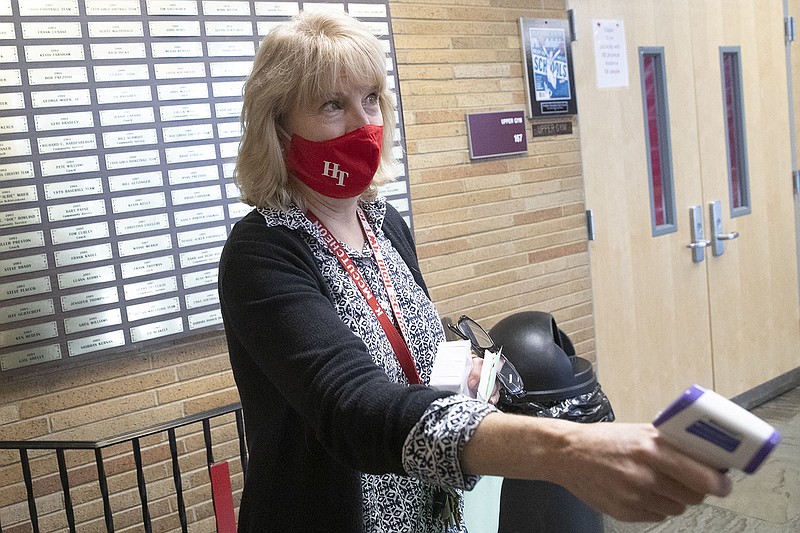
[(611, 54)]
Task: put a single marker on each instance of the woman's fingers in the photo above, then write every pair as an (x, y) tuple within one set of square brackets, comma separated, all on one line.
[(474, 379), (693, 476), (631, 473)]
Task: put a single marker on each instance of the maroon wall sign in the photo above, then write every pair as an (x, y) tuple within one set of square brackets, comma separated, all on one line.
[(496, 134)]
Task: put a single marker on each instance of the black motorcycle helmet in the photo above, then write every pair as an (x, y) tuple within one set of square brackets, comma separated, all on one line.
[(539, 350)]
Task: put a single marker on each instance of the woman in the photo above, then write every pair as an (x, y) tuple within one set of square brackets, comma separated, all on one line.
[(332, 335)]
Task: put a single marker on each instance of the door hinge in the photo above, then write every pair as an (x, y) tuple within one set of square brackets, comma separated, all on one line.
[(788, 29), (590, 224), (796, 181), (571, 24)]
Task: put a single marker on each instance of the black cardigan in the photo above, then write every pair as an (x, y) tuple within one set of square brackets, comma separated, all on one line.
[(317, 410)]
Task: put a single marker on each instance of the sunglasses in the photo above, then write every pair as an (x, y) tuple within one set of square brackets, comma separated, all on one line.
[(481, 342)]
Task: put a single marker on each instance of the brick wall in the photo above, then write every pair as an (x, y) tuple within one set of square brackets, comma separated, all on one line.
[(494, 237), (102, 397), (497, 236)]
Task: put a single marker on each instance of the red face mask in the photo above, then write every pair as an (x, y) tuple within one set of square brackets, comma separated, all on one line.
[(342, 167)]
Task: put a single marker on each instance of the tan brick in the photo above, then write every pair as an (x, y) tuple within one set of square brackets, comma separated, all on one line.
[(425, 72), (16, 388), (557, 251), (212, 401), (446, 57), (473, 198), (481, 42), (438, 145), (492, 70), (25, 429), (200, 347), (19, 528), (531, 217), (214, 364), (97, 371), (96, 393), (446, 269), (437, 131), (9, 414), (416, 41), (578, 208), (111, 408), (481, 102), (439, 214), (434, 88), (140, 417), (439, 24), (436, 116), (421, 161), (195, 387)]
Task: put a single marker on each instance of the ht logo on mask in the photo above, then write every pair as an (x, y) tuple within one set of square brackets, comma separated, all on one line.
[(332, 171)]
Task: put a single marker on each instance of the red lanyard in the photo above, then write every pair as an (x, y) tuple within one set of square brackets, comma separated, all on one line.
[(396, 339)]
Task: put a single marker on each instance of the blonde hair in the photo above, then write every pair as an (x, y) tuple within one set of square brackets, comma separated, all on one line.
[(297, 63)]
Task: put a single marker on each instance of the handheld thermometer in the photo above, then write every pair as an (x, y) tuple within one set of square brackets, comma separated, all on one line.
[(716, 431)]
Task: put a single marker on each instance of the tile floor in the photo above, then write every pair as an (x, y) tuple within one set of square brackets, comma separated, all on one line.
[(765, 502)]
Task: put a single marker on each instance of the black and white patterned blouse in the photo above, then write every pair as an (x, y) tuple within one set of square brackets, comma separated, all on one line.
[(394, 503)]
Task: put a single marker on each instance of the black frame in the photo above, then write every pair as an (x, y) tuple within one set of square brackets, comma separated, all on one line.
[(537, 105)]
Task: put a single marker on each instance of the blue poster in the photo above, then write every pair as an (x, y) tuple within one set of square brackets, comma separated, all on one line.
[(549, 63)]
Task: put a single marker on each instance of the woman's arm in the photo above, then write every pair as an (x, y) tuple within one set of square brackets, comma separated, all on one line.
[(625, 470), (280, 316)]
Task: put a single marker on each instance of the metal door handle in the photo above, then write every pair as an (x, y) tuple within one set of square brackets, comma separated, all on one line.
[(699, 242), (727, 236), (717, 234)]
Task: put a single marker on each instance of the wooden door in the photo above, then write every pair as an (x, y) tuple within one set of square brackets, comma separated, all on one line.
[(664, 321), (755, 319), (793, 10)]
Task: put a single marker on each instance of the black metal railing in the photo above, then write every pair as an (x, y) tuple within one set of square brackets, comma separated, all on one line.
[(134, 437)]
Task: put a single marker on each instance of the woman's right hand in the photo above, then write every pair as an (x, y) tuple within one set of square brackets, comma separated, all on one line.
[(624, 470), (631, 473)]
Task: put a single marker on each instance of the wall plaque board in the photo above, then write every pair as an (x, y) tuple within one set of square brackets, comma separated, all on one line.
[(119, 126)]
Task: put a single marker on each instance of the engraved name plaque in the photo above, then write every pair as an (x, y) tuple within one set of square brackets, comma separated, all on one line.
[(129, 182), (20, 217), (157, 329), (21, 241), (145, 245), (76, 324), (89, 254), (199, 216), (203, 320), (82, 300), (23, 265), (16, 313), (68, 189), (28, 287), (152, 287), (92, 276), (112, 7), (96, 343), (200, 278), (128, 226), (145, 267), (89, 208), (202, 299), (151, 309), (84, 232), (26, 334), (30, 356), (201, 236), (200, 257)]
